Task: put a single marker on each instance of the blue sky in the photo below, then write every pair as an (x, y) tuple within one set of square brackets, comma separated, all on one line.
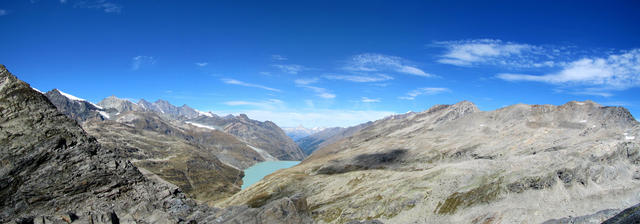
[(327, 63)]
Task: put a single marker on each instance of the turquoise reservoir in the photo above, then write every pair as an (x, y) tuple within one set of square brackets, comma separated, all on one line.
[(256, 172)]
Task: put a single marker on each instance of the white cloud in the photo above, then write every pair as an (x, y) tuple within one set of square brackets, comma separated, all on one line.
[(360, 78), (327, 95), (202, 64), (278, 57), (141, 61), (424, 91), (367, 100), (315, 118), (291, 68), (496, 52), (306, 81), (103, 5), (615, 72), (370, 62), (3, 12), (241, 83)]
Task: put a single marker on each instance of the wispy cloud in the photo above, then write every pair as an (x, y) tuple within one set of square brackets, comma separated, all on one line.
[(360, 78), (320, 92), (370, 62), (103, 5), (241, 83), (499, 53), (306, 81), (424, 91), (368, 100), (278, 57), (291, 68), (140, 61), (615, 72), (3, 12), (266, 104), (202, 64)]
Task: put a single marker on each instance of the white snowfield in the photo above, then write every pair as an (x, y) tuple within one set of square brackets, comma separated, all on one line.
[(208, 114), (200, 125), (104, 114)]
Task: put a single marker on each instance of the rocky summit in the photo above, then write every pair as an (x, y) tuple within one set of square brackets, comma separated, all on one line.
[(455, 164)]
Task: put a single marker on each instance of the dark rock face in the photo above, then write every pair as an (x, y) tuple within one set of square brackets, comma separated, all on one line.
[(627, 216), (380, 160), (53, 172), (76, 109)]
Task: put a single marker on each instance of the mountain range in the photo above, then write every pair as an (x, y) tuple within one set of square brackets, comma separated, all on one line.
[(299, 132), (66, 160)]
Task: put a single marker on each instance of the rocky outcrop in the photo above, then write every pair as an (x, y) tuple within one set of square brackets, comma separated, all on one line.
[(53, 172), (456, 164)]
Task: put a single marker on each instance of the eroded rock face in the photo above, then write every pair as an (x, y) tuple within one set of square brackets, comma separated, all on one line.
[(264, 135), (53, 172), (522, 163)]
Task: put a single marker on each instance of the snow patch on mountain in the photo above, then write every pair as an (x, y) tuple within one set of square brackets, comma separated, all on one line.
[(263, 153), (200, 125)]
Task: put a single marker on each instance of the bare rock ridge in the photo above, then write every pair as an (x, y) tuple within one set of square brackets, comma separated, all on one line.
[(53, 172), (455, 164)]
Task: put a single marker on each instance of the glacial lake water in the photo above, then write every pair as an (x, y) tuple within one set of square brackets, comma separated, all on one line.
[(256, 172)]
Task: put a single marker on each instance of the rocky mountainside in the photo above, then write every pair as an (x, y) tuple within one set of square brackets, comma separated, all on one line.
[(456, 164), (266, 135), (203, 163), (53, 172), (76, 108), (328, 136)]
